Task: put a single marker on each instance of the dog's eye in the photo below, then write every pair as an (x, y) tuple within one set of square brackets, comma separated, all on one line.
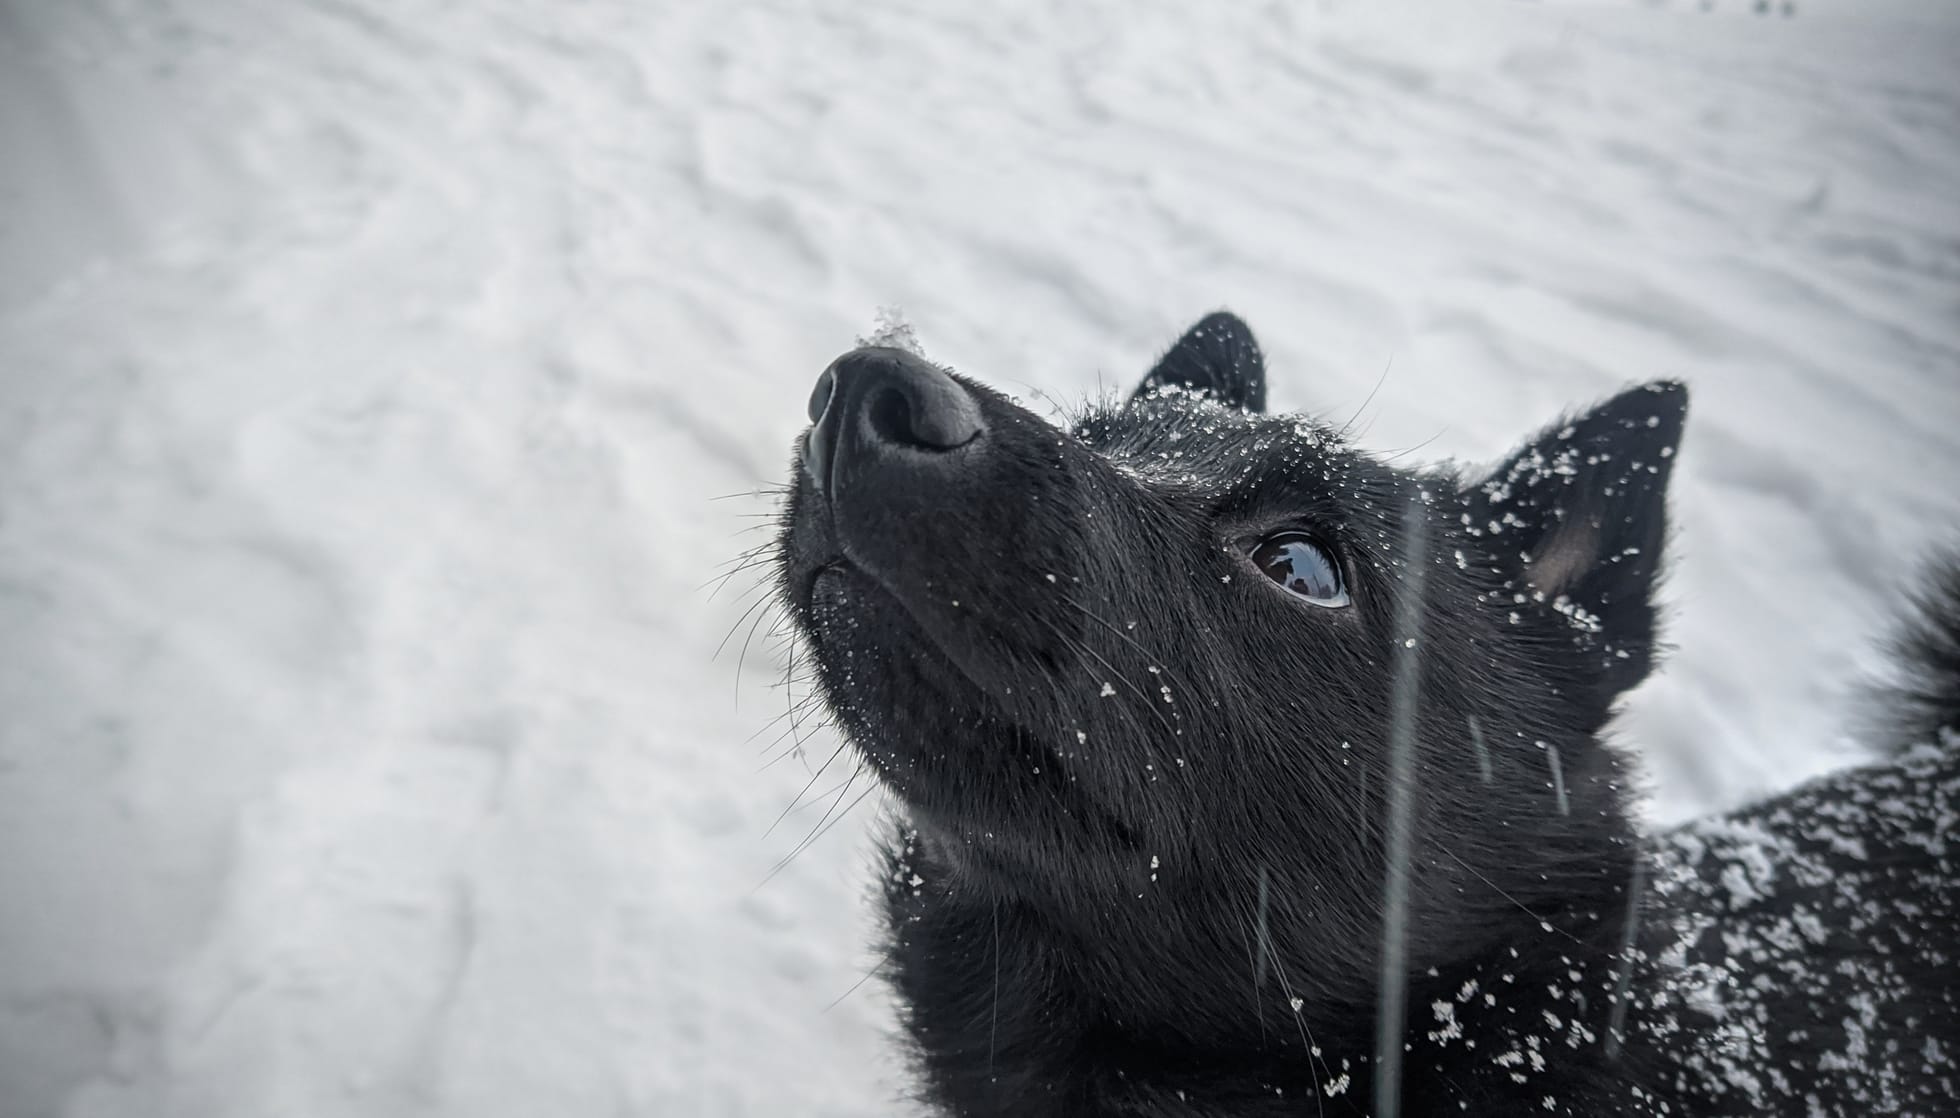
[(1298, 563)]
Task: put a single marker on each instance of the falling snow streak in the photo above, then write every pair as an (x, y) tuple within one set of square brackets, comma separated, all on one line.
[(1623, 982), (1265, 899), (1483, 751), (1391, 1010)]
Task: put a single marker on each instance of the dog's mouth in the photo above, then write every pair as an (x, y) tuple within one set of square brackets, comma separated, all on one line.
[(996, 647), (854, 616), (994, 775)]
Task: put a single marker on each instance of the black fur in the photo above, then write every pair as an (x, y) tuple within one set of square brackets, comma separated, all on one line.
[(1148, 791), (1927, 649)]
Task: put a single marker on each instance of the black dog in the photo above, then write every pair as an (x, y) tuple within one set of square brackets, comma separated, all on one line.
[(1250, 775)]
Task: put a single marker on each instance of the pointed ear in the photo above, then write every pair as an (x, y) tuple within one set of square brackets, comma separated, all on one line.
[(1579, 516), (1217, 357)]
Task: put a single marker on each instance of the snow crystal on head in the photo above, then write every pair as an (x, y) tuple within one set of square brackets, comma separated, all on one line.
[(890, 329)]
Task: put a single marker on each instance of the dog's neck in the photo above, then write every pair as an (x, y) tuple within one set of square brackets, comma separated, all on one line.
[(1010, 1012)]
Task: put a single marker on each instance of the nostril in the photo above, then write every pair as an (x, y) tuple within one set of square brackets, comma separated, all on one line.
[(820, 395), (890, 416), (924, 413)]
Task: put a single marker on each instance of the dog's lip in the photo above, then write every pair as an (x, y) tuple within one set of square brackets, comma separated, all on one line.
[(840, 566), (832, 567), (839, 570)]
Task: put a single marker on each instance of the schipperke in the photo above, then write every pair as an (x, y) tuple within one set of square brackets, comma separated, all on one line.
[(1248, 774)]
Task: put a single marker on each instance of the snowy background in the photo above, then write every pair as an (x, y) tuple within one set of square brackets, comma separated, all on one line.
[(368, 368)]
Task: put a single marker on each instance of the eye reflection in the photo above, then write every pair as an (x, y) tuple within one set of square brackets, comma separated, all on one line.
[(1302, 567)]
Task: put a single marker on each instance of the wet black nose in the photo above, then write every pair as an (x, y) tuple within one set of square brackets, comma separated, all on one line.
[(885, 403)]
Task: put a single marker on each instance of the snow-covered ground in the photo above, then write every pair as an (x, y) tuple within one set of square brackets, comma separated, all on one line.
[(367, 369)]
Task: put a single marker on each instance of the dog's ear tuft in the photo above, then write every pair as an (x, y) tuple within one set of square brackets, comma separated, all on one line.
[(1218, 357), (1578, 515)]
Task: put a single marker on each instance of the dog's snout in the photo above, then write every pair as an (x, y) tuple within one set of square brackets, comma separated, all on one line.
[(883, 403)]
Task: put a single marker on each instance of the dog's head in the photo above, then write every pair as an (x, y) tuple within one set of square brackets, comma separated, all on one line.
[(1132, 672)]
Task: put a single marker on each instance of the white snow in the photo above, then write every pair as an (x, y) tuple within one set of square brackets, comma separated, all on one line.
[(366, 371)]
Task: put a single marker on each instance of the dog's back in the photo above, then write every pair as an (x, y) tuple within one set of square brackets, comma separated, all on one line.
[(1811, 943)]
